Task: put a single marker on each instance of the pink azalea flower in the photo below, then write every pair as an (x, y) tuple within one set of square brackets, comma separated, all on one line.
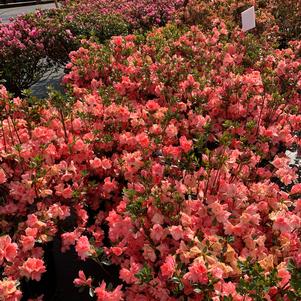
[(2, 176), (27, 242), (149, 253), (83, 247), (296, 189), (103, 295), (9, 291), (185, 144), (168, 268), (197, 273), (176, 232), (33, 268), (128, 275), (82, 280), (8, 250), (157, 233)]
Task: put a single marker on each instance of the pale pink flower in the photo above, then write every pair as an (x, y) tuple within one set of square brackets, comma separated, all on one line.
[(176, 232), (9, 291), (27, 242), (128, 275), (171, 131), (149, 253), (157, 233), (83, 247)]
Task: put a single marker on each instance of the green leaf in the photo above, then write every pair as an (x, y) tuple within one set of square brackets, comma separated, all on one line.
[(230, 239), (84, 173), (291, 266), (145, 274), (91, 292), (175, 279), (106, 262)]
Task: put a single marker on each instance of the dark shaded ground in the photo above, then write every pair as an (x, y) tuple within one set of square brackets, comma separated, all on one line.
[(62, 269)]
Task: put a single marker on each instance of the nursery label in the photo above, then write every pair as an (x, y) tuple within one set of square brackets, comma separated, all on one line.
[(248, 19)]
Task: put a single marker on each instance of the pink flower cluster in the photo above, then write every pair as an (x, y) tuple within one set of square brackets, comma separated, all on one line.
[(22, 48), (177, 146), (193, 138), (8, 250), (139, 13), (8, 290), (19, 35)]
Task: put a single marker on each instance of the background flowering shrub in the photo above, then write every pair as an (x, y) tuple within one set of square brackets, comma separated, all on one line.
[(288, 17), (277, 22), (169, 150), (140, 14), (22, 54), (34, 44), (64, 30)]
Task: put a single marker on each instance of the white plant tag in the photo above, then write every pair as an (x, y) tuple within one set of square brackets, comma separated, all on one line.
[(248, 19)]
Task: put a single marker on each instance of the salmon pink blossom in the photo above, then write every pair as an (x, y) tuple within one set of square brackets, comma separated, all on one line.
[(33, 268), (103, 295), (83, 247)]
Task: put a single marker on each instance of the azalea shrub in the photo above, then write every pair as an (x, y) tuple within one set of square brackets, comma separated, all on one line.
[(168, 152), (64, 31), (139, 14), (35, 44), (23, 58), (277, 22), (288, 16), (203, 13)]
